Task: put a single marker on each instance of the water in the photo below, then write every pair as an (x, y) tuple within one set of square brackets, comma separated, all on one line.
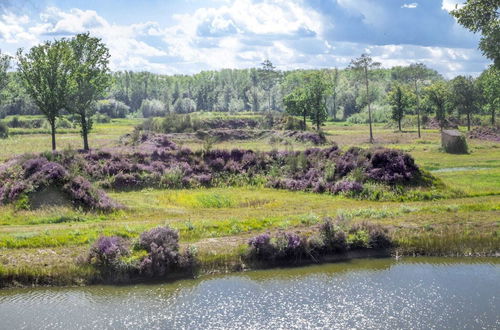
[(414, 293)]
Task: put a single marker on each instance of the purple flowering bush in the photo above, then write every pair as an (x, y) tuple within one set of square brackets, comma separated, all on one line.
[(106, 253), (328, 238), (162, 245), (392, 167)]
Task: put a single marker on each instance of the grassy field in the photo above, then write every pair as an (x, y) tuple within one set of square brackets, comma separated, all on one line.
[(218, 221)]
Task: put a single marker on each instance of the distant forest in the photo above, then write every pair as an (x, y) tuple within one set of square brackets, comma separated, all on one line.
[(264, 89)]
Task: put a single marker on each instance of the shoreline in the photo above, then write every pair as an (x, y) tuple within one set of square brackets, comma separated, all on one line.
[(85, 275)]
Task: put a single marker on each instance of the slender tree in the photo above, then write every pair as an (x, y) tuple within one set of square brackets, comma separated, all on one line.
[(418, 72), (400, 98), (90, 78), (268, 76), (489, 82), (437, 97), (317, 87), (483, 16), (296, 103), (465, 97), (4, 66), (45, 73), (363, 65)]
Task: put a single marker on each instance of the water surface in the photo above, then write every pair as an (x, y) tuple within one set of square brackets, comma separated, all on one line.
[(414, 293)]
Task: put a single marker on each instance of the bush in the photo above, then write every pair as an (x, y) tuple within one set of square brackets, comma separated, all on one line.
[(101, 118), (392, 167), (334, 239), (106, 253), (153, 108), (113, 108), (4, 130)]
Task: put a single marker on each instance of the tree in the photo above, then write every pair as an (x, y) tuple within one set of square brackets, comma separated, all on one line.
[(489, 82), (418, 72), (363, 65), (334, 89), (483, 16), (400, 98), (465, 97), (45, 73), (90, 78), (317, 88), (436, 96), (268, 76), (296, 103), (4, 66)]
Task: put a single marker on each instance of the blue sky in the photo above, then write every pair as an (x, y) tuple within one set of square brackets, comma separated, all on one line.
[(193, 35)]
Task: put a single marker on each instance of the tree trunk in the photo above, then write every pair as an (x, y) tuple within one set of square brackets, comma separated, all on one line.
[(468, 121), (493, 117), (304, 122), (418, 108), (85, 132), (53, 133), (399, 124), (369, 106)]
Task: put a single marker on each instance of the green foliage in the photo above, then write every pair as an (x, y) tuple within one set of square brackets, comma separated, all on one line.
[(489, 83), (45, 72), (401, 99), (465, 97), (437, 97), (483, 16), (89, 79), (4, 130)]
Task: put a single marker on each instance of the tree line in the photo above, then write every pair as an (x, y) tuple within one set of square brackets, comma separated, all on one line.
[(72, 76)]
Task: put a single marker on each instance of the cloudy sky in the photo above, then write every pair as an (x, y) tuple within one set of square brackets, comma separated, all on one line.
[(187, 36)]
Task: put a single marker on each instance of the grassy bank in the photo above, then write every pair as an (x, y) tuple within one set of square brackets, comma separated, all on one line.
[(45, 246)]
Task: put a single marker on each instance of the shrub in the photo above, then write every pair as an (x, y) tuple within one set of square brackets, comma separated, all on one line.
[(333, 238), (106, 253), (392, 167), (4, 130), (261, 247), (347, 187), (153, 108), (378, 236)]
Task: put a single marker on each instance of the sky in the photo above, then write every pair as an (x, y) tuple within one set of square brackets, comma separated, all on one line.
[(189, 36)]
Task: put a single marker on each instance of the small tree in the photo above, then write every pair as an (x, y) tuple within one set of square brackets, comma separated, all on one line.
[(317, 88), (363, 65), (46, 75), (489, 83), (296, 103), (400, 98), (418, 72), (436, 96), (465, 97), (90, 77), (4, 66), (268, 77)]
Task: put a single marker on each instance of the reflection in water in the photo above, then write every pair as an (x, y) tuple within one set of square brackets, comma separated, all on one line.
[(369, 294)]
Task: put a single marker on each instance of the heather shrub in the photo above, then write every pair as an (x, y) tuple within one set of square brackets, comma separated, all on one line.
[(162, 245), (106, 253), (261, 247), (289, 246), (392, 167), (334, 239), (378, 236), (350, 188)]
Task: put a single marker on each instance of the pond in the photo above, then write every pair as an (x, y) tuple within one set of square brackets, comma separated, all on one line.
[(417, 293)]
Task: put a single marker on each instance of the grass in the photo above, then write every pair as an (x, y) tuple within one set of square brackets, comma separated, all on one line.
[(43, 244)]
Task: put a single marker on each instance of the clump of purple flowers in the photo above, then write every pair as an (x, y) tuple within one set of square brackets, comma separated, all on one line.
[(347, 187), (162, 245), (106, 252), (392, 167)]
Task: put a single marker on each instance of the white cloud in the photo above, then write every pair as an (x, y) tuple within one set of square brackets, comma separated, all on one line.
[(410, 5), (449, 5)]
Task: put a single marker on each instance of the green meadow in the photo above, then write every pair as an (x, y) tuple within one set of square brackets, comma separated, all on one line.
[(218, 222)]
